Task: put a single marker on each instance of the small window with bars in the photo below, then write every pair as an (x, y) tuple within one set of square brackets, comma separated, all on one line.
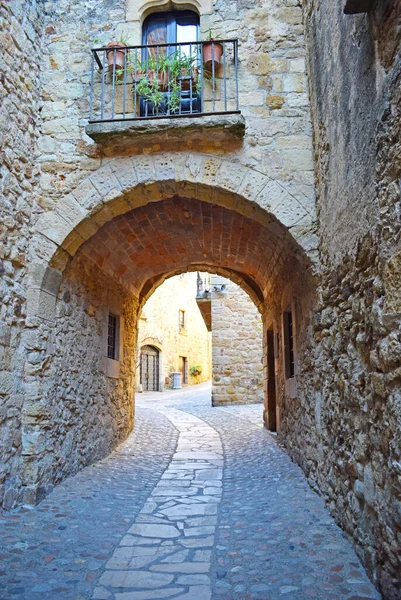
[(181, 319), (112, 350), (289, 345)]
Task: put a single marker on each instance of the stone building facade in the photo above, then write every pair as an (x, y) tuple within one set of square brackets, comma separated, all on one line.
[(174, 335), (95, 216), (237, 348)]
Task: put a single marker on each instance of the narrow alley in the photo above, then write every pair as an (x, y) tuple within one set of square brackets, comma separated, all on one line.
[(199, 503)]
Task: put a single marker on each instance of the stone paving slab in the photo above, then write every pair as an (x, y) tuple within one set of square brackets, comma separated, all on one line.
[(174, 555)]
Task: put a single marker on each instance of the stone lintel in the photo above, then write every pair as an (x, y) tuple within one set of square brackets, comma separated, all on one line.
[(353, 7), (213, 129)]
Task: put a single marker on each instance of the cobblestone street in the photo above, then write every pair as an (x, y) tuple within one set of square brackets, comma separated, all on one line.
[(200, 503)]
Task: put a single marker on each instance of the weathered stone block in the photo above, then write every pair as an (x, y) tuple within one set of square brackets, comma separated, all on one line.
[(53, 226), (41, 304), (6, 383), (33, 442), (70, 210), (88, 196), (274, 101)]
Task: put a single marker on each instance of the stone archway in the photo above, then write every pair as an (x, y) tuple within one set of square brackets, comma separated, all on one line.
[(101, 250), (124, 184)]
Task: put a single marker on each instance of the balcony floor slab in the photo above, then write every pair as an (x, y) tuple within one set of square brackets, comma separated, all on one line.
[(217, 130)]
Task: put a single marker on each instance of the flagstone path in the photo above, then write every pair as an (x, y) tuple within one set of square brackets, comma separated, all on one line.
[(199, 504)]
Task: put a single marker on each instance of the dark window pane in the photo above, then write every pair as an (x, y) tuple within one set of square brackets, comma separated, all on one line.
[(289, 345), (112, 337)]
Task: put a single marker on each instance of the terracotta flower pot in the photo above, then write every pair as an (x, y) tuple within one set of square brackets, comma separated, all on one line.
[(186, 78), (212, 52), (119, 55)]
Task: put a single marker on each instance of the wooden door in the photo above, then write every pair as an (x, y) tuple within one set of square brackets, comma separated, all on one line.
[(271, 383), (184, 369), (149, 373)]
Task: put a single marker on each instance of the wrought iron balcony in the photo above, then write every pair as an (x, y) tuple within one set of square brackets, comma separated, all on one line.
[(130, 83), (203, 281)]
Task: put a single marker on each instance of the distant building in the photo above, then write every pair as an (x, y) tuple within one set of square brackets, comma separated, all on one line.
[(204, 327), (237, 341), (172, 337)]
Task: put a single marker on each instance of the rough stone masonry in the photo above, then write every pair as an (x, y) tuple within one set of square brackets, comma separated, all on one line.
[(72, 212)]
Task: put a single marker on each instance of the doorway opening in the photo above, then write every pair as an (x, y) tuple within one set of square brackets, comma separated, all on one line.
[(184, 369), (149, 369)]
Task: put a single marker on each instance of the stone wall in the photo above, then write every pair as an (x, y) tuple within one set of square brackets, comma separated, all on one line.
[(237, 348), (84, 405), (21, 28), (159, 326), (350, 389)]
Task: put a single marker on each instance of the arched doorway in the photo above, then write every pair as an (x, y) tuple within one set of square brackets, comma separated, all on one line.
[(149, 369)]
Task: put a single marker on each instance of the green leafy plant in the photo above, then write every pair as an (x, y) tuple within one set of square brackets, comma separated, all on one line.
[(148, 88), (210, 36), (195, 370), (164, 73)]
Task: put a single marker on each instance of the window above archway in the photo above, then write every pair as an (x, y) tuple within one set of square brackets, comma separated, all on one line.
[(170, 28), (170, 54)]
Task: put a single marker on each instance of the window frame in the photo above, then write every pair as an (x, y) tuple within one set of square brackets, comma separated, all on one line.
[(113, 337), (171, 20), (182, 324), (170, 17), (289, 343)]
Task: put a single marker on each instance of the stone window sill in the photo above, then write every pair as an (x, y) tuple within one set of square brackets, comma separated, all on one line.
[(111, 368)]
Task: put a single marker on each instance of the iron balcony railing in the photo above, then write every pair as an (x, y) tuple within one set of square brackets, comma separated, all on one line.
[(203, 282), (165, 80)]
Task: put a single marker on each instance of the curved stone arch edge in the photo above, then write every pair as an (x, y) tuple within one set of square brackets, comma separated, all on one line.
[(254, 292), (138, 10), (150, 341), (122, 185)]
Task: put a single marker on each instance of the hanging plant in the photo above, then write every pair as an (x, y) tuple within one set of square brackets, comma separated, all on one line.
[(212, 51), (117, 53)]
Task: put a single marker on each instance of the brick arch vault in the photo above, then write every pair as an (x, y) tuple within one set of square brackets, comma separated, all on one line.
[(105, 248)]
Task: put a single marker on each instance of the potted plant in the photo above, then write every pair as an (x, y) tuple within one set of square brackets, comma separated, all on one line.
[(116, 53), (160, 80), (153, 70), (195, 370), (212, 51)]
